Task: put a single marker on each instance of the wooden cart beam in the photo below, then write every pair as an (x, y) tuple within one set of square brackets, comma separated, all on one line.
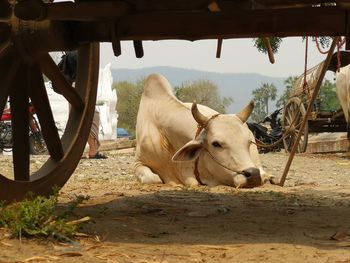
[(220, 25), (88, 10), (85, 11), (299, 2), (239, 24), (89, 24)]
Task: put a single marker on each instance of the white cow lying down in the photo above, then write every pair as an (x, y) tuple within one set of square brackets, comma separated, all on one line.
[(167, 150), (343, 92)]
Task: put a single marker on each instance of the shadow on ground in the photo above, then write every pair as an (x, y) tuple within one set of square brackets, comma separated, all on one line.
[(307, 217)]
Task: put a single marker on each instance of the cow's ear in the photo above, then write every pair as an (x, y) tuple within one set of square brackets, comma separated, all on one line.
[(188, 152)]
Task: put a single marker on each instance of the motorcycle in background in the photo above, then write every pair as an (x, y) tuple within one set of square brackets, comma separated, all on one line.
[(266, 138), (36, 141)]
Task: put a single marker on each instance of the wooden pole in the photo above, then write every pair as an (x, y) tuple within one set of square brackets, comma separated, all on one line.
[(218, 49), (138, 48), (347, 35), (267, 43), (309, 107)]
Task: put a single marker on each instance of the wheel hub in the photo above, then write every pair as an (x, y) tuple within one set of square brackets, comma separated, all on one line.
[(31, 38), (292, 129)]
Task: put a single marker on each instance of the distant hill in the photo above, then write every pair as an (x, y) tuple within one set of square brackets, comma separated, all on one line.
[(238, 86)]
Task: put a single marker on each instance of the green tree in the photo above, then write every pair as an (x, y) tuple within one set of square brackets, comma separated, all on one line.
[(129, 95), (203, 92), (262, 96), (259, 111), (328, 96), (282, 100)]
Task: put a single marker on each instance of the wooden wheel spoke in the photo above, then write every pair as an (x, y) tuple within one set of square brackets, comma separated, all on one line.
[(9, 66), (5, 32), (20, 125), (293, 111), (299, 148), (40, 100), (4, 49), (59, 82), (288, 118), (292, 115), (290, 143), (296, 119)]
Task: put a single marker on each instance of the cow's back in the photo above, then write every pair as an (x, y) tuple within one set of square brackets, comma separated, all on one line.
[(157, 101), (157, 87), (164, 125)]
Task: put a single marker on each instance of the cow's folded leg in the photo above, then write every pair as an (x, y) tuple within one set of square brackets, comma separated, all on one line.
[(187, 176), (145, 175), (191, 181), (269, 178)]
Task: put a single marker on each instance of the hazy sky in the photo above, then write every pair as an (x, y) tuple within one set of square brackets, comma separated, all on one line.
[(237, 56)]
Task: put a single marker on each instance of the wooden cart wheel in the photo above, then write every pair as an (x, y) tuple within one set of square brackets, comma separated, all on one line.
[(293, 115), (24, 58)]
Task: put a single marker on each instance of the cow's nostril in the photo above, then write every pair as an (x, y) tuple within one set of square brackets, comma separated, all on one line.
[(254, 172)]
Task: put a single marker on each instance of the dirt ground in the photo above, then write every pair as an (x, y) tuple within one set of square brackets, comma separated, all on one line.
[(305, 221)]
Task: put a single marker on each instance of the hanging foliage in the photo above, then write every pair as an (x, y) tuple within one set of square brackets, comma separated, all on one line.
[(324, 41), (274, 41)]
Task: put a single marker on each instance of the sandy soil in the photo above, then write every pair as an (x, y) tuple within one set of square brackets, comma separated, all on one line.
[(305, 221)]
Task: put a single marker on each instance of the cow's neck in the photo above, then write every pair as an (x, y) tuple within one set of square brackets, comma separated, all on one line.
[(203, 176), (179, 128)]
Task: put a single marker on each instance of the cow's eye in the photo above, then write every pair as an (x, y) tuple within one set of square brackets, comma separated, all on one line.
[(216, 144)]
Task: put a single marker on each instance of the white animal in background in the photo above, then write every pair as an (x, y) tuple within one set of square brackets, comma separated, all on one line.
[(343, 92)]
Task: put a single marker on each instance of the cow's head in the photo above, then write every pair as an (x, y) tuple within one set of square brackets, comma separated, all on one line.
[(224, 148)]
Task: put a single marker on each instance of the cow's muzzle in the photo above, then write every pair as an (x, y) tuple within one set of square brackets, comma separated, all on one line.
[(253, 177)]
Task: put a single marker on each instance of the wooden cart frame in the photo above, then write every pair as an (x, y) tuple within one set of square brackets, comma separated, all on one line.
[(319, 120), (30, 29)]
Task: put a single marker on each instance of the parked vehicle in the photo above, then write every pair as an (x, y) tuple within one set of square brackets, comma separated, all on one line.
[(268, 139), (122, 133), (36, 141)]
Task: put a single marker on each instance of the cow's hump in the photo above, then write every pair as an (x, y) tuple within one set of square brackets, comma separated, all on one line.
[(157, 86)]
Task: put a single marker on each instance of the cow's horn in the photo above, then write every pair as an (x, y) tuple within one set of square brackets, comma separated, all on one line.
[(199, 117), (244, 114)]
